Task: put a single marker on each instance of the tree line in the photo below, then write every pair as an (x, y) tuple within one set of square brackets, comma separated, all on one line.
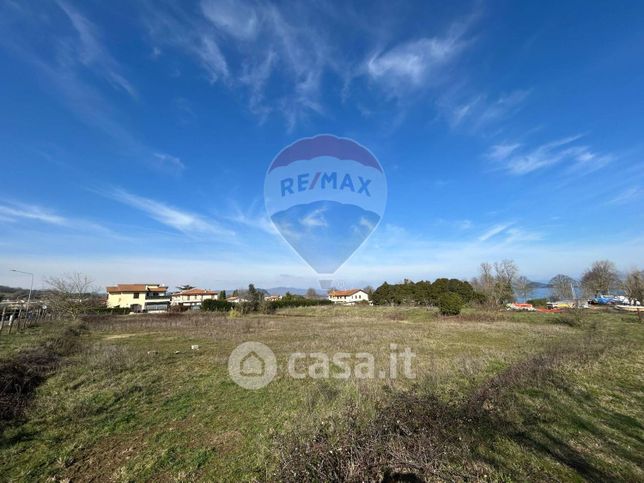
[(500, 283)]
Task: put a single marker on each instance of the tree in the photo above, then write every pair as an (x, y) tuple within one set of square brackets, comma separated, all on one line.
[(222, 295), (485, 282), (634, 285), (505, 273), (71, 295), (561, 286), (384, 295), (312, 294), (450, 303), (254, 296), (523, 287), (601, 277)]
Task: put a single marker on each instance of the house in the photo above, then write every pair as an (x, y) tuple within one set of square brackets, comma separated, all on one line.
[(348, 297), (273, 298), (193, 297), (235, 299), (139, 297)]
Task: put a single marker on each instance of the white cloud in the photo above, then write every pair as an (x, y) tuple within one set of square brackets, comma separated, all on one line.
[(170, 162), (416, 63), (180, 220), (19, 211), (235, 18), (493, 231), (269, 39), (564, 153), (627, 196), (90, 52), (481, 111), (254, 218), (77, 68), (314, 219)]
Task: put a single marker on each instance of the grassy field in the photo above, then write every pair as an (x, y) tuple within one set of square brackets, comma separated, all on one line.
[(497, 396)]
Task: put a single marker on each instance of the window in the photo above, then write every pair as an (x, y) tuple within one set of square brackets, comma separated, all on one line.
[(136, 295)]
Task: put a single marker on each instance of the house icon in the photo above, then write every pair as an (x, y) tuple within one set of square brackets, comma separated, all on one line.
[(252, 365)]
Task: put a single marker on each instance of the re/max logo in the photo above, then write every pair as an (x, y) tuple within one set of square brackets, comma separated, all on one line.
[(327, 180)]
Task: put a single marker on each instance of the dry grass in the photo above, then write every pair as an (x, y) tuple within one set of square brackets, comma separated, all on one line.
[(138, 404)]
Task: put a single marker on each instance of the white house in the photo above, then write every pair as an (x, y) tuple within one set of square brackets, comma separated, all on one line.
[(193, 297), (348, 297)]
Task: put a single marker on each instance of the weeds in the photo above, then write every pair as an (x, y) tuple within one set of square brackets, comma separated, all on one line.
[(22, 373), (415, 435)]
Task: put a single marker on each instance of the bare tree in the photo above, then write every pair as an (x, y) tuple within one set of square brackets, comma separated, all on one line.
[(506, 272), (561, 286), (601, 277), (71, 295), (484, 283), (634, 284), (523, 287), (496, 281), (311, 293)]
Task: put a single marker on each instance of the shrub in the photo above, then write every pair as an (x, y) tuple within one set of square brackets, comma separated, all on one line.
[(234, 314), (298, 302), (538, 302), (450, 303), (211, 305)]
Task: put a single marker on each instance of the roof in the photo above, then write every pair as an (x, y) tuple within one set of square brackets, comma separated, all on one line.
[(137, 287), (345, 293), (197, 291)]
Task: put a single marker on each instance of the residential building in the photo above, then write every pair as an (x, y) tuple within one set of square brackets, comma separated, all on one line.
[(273, 298), (139, 297), (235, 299), (348, 297), (193, 297)]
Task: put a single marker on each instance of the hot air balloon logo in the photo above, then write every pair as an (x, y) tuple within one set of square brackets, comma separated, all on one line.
[(325, 195)]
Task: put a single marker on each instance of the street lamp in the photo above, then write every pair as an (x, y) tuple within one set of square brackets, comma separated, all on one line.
[(30, 288)]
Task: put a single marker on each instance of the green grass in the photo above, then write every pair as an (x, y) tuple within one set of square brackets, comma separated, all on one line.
[(117, 412)]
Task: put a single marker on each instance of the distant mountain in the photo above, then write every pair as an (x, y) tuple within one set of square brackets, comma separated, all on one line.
[(539, 285), (293, 290)]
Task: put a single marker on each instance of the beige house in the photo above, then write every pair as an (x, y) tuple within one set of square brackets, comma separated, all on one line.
[(193, 297), (139, 297), (348, 297)]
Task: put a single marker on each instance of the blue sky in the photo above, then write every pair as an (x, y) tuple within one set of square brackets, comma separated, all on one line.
[(135, 136)]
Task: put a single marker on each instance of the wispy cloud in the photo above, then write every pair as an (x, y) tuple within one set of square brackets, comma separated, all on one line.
[(169, 162), (628, 196), (493, 231), (416, 63), (270, 39), (566, 153), (88, 50), (78, 69), (19, 211), (254, 217), (315, 219), (482, 110), (180, 220), (31, 215)]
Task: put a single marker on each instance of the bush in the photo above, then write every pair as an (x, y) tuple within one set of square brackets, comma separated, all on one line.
[(450, 303), (538, 302), (212, 305), (234, 314), (298, 302)]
